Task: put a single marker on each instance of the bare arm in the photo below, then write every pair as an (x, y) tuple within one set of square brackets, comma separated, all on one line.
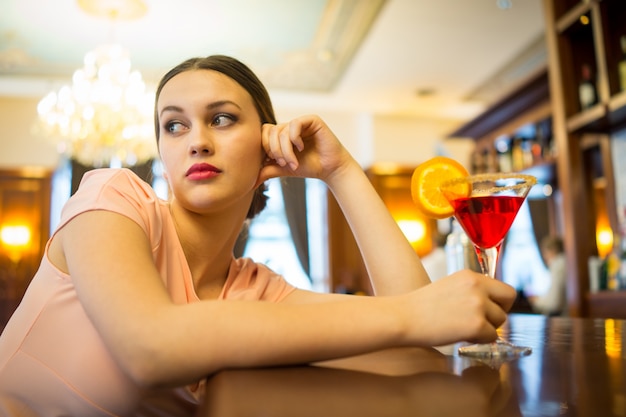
[(392, 264), (159, 343)]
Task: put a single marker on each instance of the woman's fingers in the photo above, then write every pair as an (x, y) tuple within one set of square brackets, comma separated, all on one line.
[(286, 148), (469, 305), (499, 299), (279, 143)]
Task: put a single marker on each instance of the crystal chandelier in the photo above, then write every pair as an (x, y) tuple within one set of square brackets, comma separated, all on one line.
[(105, 117)]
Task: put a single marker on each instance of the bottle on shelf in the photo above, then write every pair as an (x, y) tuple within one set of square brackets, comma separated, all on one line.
[(527, 152), (621, 276), (614, 263), (454, 248), (587, 93), (517, 154), (622, 64), (613, 270), (541, 148), (460, 253), (503, 152)]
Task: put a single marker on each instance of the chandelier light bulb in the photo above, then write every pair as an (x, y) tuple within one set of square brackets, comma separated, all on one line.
[(105, 116)]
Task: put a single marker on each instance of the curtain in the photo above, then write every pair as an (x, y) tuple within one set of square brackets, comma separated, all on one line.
[(78, 170), (294, 197), (540, 217)]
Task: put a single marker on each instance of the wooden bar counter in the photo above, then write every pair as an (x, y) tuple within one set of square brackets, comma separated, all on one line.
[(577, 368)]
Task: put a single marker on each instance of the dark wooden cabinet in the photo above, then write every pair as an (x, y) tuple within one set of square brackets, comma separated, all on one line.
[(582, 38), (586, 34), (25, 196), (515, 133)]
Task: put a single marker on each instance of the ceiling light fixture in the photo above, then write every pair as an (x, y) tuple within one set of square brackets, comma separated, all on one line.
[(104, 118), (504, 4)]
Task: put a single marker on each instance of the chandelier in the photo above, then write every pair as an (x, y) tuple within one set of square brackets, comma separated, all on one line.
[(105, 117)]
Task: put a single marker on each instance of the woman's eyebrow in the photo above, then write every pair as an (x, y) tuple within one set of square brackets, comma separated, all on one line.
[(210, 106), (221, 103), (170, 108)]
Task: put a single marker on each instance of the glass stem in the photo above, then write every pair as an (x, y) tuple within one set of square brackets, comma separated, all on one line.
[(488, 259)]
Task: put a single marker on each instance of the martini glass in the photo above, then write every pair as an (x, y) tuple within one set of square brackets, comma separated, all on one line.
[(485, 205)]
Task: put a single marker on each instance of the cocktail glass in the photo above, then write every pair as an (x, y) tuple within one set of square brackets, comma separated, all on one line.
[(485, 205)]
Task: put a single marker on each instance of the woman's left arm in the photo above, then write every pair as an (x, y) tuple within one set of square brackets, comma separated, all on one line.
[(306, 147), (391, 262)]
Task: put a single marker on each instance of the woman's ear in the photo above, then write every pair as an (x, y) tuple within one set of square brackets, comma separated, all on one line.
[(269, 170)]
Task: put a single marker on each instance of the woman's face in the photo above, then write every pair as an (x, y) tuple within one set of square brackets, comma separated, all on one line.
[(210, 141)]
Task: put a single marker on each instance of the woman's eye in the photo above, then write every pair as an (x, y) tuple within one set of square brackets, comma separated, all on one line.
[(222, 120), (174, 127)]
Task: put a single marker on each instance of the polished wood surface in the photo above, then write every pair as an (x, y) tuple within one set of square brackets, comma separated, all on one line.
[(577, 368)]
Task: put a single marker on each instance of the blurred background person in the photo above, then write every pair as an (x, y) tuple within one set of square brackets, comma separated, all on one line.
[(553, 302)]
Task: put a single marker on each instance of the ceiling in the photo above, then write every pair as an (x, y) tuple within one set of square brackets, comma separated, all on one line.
[(346, 55)]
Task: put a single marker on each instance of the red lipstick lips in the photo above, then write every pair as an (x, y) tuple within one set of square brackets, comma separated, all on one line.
[(202, 172)]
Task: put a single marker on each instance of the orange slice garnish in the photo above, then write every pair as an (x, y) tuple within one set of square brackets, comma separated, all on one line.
[(426, 181)]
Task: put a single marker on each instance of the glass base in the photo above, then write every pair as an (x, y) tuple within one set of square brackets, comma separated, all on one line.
[(499, 349)]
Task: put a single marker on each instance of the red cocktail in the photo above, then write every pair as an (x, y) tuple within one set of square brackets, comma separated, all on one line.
[(485, 206)]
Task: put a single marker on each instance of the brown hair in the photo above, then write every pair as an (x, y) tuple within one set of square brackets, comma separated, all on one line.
[(243, 76)]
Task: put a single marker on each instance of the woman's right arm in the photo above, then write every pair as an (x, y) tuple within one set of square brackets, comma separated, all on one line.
[(159, 343)]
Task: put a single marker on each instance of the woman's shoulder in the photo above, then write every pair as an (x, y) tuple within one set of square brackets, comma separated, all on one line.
[(251, 280), (118, 190), (114, 182), (114, 177)]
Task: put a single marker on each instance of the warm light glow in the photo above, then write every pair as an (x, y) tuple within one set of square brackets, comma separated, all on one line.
[(15, 236), (612, 338), (105, 115), (604, 241), (414, 230)]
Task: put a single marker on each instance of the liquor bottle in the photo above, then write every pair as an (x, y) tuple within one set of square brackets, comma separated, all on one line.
[(614, 263), (454, 248), (613, 268), (460, 253), (587, 92), (517, 154), (527, 152), (622, 64), (621, 275), (503, 152), (621, 280)]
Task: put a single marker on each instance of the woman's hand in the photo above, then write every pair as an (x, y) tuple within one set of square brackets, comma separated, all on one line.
[(306, 147), (303, 147), (464, 306)]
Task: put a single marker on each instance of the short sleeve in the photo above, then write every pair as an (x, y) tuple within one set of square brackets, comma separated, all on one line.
[(120, 191), (248, 280)]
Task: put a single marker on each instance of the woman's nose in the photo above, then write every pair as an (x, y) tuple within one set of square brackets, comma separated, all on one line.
[(201, 142)]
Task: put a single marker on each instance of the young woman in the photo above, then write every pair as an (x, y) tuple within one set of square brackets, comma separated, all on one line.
[(137, 300)]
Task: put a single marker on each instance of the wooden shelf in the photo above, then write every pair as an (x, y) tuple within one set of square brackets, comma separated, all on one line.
[(533, 96), (591, 120), (586, 33), (569, 19)]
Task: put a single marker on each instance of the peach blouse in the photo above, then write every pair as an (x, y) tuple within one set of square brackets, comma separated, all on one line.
[(52, 359)]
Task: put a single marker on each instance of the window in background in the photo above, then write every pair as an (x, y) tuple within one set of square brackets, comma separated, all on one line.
[(270, 243), (522, 264), (61, 190)]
